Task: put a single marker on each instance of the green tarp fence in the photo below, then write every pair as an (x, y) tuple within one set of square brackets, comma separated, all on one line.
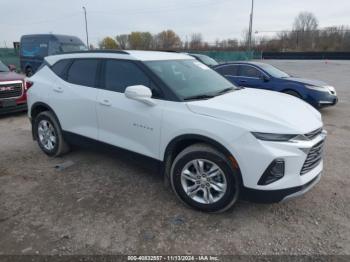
[(10, 56)]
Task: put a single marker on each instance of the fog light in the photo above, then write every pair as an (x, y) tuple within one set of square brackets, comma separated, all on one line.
[(274, 172)]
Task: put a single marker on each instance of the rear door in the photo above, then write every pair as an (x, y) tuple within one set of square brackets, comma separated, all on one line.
[(73, 95), (124, 122)]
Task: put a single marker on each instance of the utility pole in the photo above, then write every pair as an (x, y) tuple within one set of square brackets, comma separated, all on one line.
[(86, 29), (250, 36)]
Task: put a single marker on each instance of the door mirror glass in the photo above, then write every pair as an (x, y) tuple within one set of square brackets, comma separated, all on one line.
[(265, 78), (140, 93)]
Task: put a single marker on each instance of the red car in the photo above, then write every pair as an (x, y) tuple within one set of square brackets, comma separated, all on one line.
[(13, 89)]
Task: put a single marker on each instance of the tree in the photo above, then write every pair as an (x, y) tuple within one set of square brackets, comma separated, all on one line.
[(304, 27), (140, 40), (168, 40), (305, 21), (108, 43), (123, 40), (196, 41)]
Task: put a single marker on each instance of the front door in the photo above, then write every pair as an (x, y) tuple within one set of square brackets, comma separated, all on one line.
[(123, 122)]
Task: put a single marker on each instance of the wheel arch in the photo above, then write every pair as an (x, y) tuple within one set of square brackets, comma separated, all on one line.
[(36, 109), (179, 143)]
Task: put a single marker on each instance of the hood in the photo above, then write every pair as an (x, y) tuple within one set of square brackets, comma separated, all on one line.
[(10, 76), (261, 111), (309, 82)]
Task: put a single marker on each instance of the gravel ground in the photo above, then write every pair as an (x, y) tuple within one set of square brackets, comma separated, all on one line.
[(113, 203)]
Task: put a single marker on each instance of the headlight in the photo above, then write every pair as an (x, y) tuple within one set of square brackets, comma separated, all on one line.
[(318, 88), (331, 90), (279, 137)]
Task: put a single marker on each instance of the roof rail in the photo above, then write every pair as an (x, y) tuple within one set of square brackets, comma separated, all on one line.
[(96, 51)]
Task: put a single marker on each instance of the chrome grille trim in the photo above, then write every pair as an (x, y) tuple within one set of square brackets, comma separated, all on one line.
[(314, 133), (314, 157), (11, 94)]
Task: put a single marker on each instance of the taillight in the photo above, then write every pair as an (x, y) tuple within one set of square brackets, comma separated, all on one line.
[(27, 85)]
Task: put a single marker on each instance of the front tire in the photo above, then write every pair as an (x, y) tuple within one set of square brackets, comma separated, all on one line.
[(29, 71), (49, 136), (203, 178)]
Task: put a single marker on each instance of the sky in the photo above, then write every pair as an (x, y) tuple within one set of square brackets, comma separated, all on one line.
[(215, 19)]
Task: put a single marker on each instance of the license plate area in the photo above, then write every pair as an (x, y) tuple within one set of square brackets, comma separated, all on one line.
[(8, 103)]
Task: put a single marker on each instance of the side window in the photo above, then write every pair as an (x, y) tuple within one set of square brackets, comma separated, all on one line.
[(60, 67), (229, 70), (249, 71), (121, 74), (83, 72)]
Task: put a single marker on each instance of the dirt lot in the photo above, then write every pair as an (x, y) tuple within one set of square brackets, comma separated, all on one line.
[(112, 203)]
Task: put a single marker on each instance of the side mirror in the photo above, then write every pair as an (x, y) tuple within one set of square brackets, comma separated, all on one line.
[(140, 93), (265, 78), (12, 68)]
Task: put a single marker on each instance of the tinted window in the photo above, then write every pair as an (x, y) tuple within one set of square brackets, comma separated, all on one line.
[(3, 68), (83, 72), (121, 74), (34, 47), (249, 71), (60, 67), (230, 70)]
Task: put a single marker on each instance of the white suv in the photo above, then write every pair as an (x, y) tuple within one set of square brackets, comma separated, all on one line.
[(216, 142)]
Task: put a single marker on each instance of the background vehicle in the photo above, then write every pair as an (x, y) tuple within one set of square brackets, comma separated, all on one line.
[(33, 49), (169, 107), (204, 59), (13, 89), (266, 76)]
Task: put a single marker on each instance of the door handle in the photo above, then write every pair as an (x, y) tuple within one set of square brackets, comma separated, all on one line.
[(243, 81), (105, 102), (58, 89)]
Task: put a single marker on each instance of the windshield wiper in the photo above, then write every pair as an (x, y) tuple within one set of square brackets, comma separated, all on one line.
[(198, 97), (224, 91)]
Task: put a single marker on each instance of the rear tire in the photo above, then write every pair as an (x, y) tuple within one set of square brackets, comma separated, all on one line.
[(49, 136), (203, 178)]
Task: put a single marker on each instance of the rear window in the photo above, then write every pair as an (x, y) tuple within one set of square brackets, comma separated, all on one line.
[(229, 70), (60, 68), (83, 72), (249, 71)]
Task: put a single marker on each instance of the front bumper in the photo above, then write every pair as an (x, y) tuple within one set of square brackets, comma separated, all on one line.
[(13, 109), (302, 169), (281, 195), (322, 99)]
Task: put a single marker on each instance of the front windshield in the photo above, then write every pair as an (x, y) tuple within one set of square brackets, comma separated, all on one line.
[(3, 68), (65, 48), (273, 71), (190, 79), (207, 60)]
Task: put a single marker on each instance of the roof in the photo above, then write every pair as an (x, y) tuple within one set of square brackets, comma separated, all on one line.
[(242, 62), (129, 54)]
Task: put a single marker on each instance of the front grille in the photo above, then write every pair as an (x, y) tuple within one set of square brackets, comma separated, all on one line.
[(313, 158), (314, 133), (10, 90)]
